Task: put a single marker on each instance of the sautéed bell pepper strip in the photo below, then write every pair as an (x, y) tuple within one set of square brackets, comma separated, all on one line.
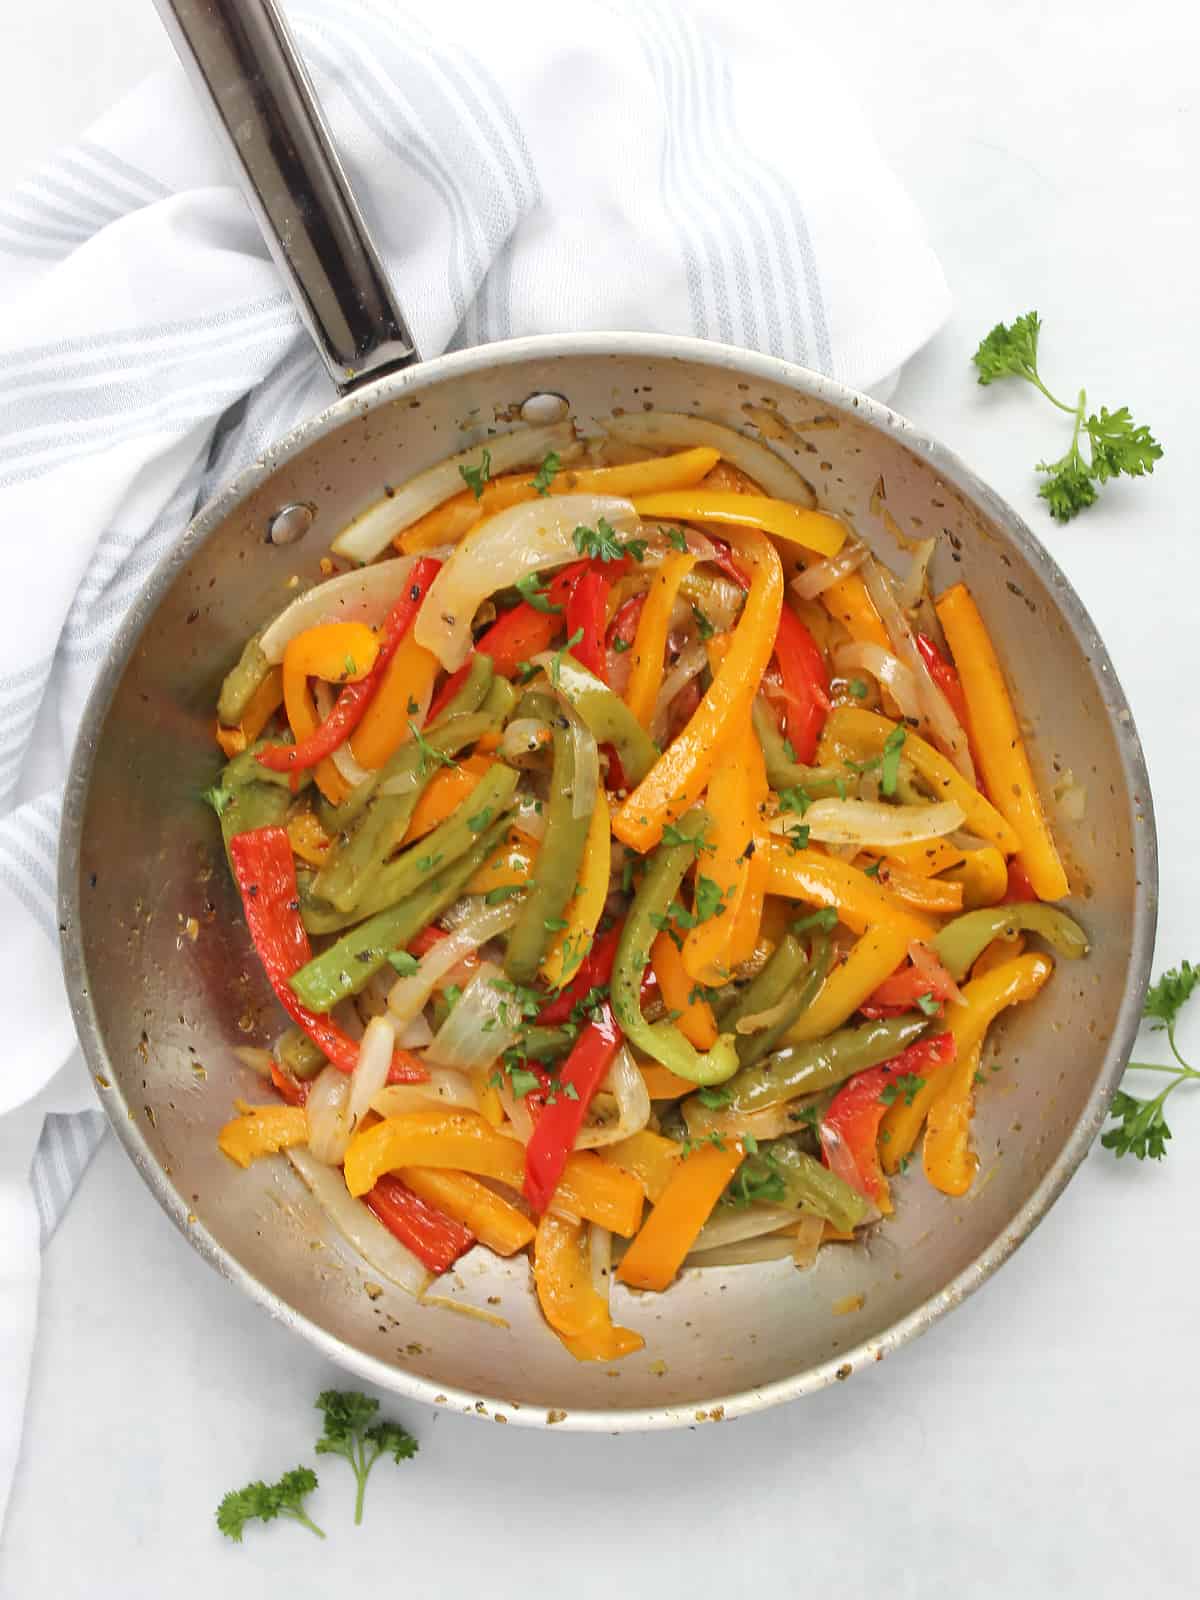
[(651, 1159), (496, 1224), (261, 1131), (607, 718), (949, 1162), (878, 952), (524, 632), (961, 942), (821, 880), (850, 1127), (448, 690), (594, 972), (822, 1063), (510, 865), (679, 777), (945, 677), (1005, 985), (695, 1019), (1004, 762), (570, 1302), (805, 683), (558, 1124), (266, 877), (983, 877), (407, 682), (293, 1090), (650, 641), (662, 1040), (355, 697), (587, 615), (814, 530), (725, 860), (683, 1208), (463, 1141), (435, 1239), (748, 912), (256, 713), (1019, 886), (569, 946)]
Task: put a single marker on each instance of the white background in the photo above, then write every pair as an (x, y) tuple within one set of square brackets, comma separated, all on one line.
[(1043, 1439)]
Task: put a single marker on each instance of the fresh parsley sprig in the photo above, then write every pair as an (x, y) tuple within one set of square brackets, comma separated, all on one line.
[(1140, 1127), (263, 1502), (1116, 446), (353, 1432)]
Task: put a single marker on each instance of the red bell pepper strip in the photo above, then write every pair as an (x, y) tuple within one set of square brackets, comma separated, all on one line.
[(293, 1090), (904, 989), (1019, 886), (595, 972), (944, 675), (434, 1238), (850, 1127), (558, 1124), (624, 624), (447, 692), (356, 697), (422, 943), (724, 562), (266, 876), (523, 632), (805, 684), (587, 613)]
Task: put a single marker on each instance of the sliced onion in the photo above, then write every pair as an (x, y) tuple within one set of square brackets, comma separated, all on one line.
[(375, 529), (257, 1060), (822, 575), (442, 1088), (525, 739), (526, 538), (585, 784), (733, 1224), (600, 1251), (343, 756), (928, 965), (867, 823), (519, 1120), (626, 1086), (772, 1122), (719, 599), (481, 1026), (886, 669), (936, 713), (698, 545), (913, 586), (751, 1252), (361, 1229), (415, 1034), (658, 428), (409, 994), (808, 1236), (371, 1068), (693, 658), (364, 596), (328, 1112), (529, 817), (758, 1020)]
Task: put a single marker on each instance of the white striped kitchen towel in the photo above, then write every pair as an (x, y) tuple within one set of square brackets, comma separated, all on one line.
[(528, 168)]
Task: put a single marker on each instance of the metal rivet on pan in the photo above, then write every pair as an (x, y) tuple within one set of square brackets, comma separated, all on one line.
[(290, 523), (540, 409)]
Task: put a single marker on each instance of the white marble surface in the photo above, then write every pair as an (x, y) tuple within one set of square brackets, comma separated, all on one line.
[(1041, 1440)]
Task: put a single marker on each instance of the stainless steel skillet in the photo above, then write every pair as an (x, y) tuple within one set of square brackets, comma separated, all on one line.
[(158, 1010)]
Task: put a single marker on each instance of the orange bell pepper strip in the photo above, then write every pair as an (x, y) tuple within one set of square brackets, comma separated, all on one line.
[(510, 865), (455, 517), (663, 1084), (996, 954), (328, 651), (650, 640), (493, 1221), (308, 838), (463, 1140), (569, 945), (857, 733), (949, 1162), (848, 602), (926, 859), (1003, 759), (579, 1315), (812, 529), (683, 1208), (260, 708), (708, 954), (821, 880), (651, 1159), (262, 1131), (443, 795), (875, 957), (751, 905), (694, 1018), (1006, 985), (936, 897), (678, 778), (983, 877), (408, 681)]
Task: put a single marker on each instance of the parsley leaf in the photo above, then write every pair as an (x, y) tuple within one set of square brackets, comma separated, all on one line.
[(263, 1502), (823, 921), (556, 661), (351, 1431), (1140, 1125), (495, 897), (703, 625), (476, 477), (546, 473), (857, 688), (713, 1099), (523, 1082), (676, 538), (480, 820), (404, 963), (907, 1084), (532, 592), (890, 761), (430, 755), (600, 542), (621, 645), (795, 799), (873, 870), (218, 797)]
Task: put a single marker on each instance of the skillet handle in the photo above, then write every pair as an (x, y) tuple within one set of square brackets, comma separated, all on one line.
[(245, 66)]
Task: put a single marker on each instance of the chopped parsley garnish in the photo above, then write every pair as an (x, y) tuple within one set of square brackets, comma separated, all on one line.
[(1141, 1128), (907, 1084), (546, 473), (532, 592), (823, 921), (480, 820), (676, 538), (404, 962), (703, 625), (476, 477), (430, 755)]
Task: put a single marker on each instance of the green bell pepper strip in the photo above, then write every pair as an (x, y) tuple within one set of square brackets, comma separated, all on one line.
[(253, 805), (299, 1054), (804, 1068), (960, 942), (471, 692), (246, 769), (557, 867), (790, 973), (811, 1187), (539, 1043), (662, 1041), (608, 718), (241, 681), (351, 963), (784, 773), (359, 856), (498, 703)]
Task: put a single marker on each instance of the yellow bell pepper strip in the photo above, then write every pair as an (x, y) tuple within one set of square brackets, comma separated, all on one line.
[(308, 838), (579, 1315), (650, 640), (928, 858), (934, 897), (996, 954), (257, 712), (493, 1221), (491, 1107), (443, 795), (693, 1018), (749, 906), (848, 602), (663, 1084), (1002, 756), (678, 778), (408, 682), (570, 945), (876, 956), (263, 1131), (327, 651), (508, 867), (986, 997), (651, 1159), (854, 733), (812, 529), (983, 876), (724, 860), (683, 1208), (462, 1140), (821, 880), (949, 1162)]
